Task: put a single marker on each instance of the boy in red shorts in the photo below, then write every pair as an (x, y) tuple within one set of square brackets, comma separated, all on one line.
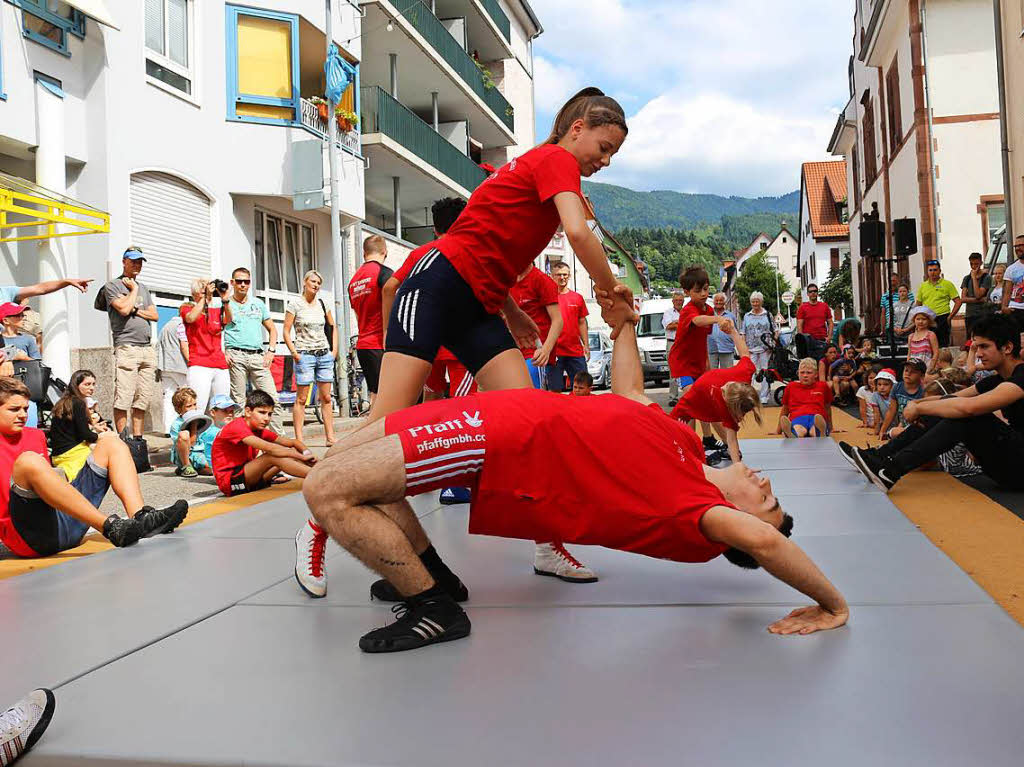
[(723, 397), (806, 404), (247, 455), (505, 444)]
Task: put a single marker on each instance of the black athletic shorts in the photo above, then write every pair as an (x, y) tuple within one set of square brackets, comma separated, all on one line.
[(369, 361), (435, 307)]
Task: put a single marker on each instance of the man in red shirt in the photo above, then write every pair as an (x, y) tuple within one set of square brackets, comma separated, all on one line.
[(573, 348), (537, 295), (364, 291), (814, 318), (42, 513), (806, 404), (509, 444)]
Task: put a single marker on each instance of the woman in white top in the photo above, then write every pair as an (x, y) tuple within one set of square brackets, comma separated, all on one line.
[(757, 323), (312, 352)]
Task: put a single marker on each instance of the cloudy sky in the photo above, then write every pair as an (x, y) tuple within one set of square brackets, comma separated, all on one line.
[(721, 96)]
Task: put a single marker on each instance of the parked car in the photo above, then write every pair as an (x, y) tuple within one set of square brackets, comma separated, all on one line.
[(650, 339), (600, 363)]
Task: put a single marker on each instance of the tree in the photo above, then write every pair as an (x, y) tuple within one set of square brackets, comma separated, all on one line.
[(759, 275), (838, 289)]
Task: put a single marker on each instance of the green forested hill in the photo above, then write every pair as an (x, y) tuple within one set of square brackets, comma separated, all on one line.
[(619, 208)]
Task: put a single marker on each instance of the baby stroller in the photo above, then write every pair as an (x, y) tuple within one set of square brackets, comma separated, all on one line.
[(783, 364)]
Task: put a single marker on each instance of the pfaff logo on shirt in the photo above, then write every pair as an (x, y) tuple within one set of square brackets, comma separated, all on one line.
[(679, 449), (445, 426)]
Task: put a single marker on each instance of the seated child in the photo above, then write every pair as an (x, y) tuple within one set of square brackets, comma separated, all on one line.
[(246, 455), (582, 384), (42, 513), (866, 351), (943, 360), (184, 434), (96, 422), (806, 404), (825, 363), (865, 394), (910, 388), (882, 397), (222, 410), (841, 374)]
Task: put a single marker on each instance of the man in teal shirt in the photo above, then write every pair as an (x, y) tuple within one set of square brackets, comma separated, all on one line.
[(244, 319), (936, 293)]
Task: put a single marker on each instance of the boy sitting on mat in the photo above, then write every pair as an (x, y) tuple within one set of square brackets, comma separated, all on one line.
[(247, 455), (806, 404)]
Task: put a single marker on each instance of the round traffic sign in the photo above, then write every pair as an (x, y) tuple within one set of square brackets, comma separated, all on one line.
[(787, 297)]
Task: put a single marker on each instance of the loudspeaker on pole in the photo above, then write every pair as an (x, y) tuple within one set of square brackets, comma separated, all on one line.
[(904, 232), (872, 238)]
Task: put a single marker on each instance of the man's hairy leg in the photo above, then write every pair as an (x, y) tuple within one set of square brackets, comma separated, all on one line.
[(358, 497), (358, 435)]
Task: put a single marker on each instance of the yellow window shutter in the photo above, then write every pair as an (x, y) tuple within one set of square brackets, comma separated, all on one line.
[(264, 59)]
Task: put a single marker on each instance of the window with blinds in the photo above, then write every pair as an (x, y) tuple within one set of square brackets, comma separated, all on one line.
[(169, 43), (171, 221)]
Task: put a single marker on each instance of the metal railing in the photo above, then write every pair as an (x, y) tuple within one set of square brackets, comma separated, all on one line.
[(499, 17), (384, 114), (311, 119), (428, 25)]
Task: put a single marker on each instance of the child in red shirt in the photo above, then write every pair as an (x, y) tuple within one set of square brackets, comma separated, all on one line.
[(237, 464), (723, 398), (806, 404)]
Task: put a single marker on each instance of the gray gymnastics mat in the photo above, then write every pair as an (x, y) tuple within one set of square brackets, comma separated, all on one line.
[(199, 649)]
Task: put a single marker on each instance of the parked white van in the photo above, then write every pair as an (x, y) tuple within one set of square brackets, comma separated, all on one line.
[(650, 338)]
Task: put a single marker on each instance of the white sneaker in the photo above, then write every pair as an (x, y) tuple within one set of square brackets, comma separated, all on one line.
[(552, 559), (24, 723), (310, 544)]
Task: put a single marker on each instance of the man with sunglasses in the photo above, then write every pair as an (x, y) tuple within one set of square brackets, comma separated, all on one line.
[(244, 319), (814, 319), (1013, 285), (936, 293)]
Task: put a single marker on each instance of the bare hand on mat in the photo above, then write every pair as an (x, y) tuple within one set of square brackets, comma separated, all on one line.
[(807, 620)]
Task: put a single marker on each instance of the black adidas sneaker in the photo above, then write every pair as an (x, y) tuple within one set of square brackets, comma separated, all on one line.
[(424, 619)]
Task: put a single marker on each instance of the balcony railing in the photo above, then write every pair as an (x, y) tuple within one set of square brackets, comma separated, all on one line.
[(311, 119), (499, 17), (427, 24), (383, 114)]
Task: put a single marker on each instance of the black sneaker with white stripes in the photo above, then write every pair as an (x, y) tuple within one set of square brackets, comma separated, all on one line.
[(880, 471), (424, 619), (849, 452)]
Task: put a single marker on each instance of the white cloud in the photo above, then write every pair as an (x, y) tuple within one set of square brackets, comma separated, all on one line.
[(711, 143), (780, 65)]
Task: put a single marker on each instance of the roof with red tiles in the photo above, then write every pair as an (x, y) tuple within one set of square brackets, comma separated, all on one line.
[(824, 184)]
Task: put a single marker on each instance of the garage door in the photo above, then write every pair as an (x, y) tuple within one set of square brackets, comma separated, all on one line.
[(171, 222)]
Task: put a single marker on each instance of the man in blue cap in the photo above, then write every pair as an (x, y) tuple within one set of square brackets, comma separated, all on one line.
[(130, 308)]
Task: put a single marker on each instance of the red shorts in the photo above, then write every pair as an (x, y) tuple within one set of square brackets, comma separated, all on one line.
[(459, 381), (443, 442)]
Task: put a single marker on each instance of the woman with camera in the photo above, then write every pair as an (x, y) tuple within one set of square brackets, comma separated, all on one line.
[(207, 366)]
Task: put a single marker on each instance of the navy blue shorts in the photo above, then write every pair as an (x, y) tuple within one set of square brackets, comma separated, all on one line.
[(435, 307), (48, 530)]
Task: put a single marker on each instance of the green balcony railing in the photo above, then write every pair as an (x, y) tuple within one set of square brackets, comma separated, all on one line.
[(499, 17), (428, 25), (384, 114)]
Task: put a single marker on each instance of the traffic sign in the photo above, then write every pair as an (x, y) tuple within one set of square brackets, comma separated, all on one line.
[(787, 297)]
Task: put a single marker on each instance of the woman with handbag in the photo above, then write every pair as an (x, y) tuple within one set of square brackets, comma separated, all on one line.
[(313, 349)]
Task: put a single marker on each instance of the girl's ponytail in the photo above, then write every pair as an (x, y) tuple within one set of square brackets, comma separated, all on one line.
[(593, 107)]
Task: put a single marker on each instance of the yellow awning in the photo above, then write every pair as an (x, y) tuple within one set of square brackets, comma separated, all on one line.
[(24, 204), (94, 9)]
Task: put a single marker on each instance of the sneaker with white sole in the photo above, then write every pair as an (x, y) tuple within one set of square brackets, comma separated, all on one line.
[(849, 452), (310, 545), (552, 559), (24, 723), (880, 471)]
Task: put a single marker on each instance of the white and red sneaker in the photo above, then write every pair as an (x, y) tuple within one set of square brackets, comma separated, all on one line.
[(24, 723), (310, 545), (554, 560)]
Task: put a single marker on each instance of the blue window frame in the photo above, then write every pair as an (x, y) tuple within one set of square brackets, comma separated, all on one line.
[(251, 103), (49, 22)]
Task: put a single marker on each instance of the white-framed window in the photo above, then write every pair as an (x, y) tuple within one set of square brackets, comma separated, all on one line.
[(284, 249), (170, 45)]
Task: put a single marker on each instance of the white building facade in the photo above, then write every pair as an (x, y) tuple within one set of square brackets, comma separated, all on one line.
[(920, 135)]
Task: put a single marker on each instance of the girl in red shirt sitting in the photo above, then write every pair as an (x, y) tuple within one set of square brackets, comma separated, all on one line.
[(806, 404)]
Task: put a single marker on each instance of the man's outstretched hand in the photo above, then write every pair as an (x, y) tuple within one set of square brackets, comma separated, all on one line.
[(616, 307), (807, 620), (524, 330)]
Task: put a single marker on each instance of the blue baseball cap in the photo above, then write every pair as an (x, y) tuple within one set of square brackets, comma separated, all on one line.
[(134, 253), (222, 402)]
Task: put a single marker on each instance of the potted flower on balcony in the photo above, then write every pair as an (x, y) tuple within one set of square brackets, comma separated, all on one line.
[(321, 107), (347, 119)]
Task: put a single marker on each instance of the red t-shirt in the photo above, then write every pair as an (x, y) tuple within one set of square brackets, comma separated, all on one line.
[(574, 309), (807, 400), (551, 473), (815, 317), (364, 293), (443, 355), (204, 337), (534, 293), (704, 401), (509, 220), (30, 440), (230, 453), (689, 353)]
